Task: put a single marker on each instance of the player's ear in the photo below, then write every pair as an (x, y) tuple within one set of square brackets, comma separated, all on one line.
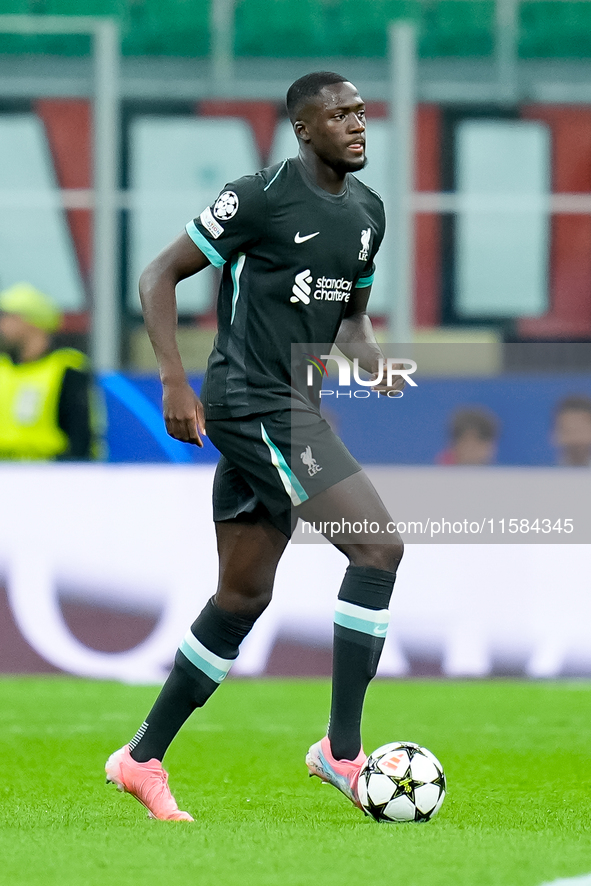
[(301, 130)]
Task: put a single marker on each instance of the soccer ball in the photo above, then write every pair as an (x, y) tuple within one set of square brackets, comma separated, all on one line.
[(401, 781)]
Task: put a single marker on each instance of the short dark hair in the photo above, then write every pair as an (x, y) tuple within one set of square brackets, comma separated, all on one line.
[(573, 403), (307, 88), (477, 420)]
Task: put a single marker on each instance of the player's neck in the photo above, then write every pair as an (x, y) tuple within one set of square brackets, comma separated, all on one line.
[(321, 174)]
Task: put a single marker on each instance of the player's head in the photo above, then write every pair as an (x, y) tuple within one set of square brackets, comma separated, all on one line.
[(572, 430), (328, 117), (474, 434)]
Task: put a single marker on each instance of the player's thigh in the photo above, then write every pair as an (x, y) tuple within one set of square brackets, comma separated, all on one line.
[(353, 499), (354, 518)]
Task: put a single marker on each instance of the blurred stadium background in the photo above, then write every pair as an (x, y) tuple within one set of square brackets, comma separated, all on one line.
[(119, 121)]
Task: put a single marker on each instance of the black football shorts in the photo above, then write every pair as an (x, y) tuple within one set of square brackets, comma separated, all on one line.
[(273, 462)]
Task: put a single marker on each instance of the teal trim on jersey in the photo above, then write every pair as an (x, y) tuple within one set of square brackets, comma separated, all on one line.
[(291, 484), (363, 282), (357, 618), (235, 271), (212, 665), (266, 188), (204, 245)]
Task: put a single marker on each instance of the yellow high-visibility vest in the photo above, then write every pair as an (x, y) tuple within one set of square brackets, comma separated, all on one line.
[(29, 405)]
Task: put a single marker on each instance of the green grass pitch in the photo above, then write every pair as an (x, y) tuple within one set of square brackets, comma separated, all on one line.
[(517, 758)]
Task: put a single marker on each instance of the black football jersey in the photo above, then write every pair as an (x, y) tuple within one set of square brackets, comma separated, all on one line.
[(291, 254)]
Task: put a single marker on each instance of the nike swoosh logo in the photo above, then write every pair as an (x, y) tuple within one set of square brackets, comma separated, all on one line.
[(298, 239)]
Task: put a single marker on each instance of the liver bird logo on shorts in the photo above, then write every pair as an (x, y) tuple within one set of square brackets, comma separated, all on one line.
[(310, 462)]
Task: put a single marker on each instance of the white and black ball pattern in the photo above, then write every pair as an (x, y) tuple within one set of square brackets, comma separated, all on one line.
[(402, 781), (226, 206)]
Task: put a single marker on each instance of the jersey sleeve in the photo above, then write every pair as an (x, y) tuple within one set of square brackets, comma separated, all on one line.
[(366, 276), (233, 223)]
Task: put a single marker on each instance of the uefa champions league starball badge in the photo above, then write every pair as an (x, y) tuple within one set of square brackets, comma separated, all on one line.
[(226, 206)]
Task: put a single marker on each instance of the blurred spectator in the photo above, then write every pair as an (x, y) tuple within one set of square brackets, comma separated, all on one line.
[(571, 433), (45, 393), (474, 432)]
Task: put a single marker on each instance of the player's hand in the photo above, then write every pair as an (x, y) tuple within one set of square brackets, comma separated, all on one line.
[(183, 413), (398, 383)]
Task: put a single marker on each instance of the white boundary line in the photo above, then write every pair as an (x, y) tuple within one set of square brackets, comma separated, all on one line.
[(583, 880)]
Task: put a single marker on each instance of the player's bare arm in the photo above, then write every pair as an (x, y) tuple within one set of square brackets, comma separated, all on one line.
[(356, 338), (183, 412)]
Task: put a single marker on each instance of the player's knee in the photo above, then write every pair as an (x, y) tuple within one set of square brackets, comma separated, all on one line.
[(388, 556), (258, 599), (385, 556), (396, 552), (248, 598), (253, 607)]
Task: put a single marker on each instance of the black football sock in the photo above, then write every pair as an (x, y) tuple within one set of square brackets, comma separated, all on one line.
[(202, 661), (360, 625)]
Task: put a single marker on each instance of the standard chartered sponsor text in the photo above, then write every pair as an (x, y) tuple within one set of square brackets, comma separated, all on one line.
[(442, 526)]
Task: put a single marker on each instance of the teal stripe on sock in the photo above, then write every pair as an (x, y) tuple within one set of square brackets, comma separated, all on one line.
[(208, 669), (358, 618), (358, 624)]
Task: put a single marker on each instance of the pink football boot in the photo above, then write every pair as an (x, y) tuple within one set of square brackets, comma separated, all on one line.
[(343, 774), (147, 782)]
